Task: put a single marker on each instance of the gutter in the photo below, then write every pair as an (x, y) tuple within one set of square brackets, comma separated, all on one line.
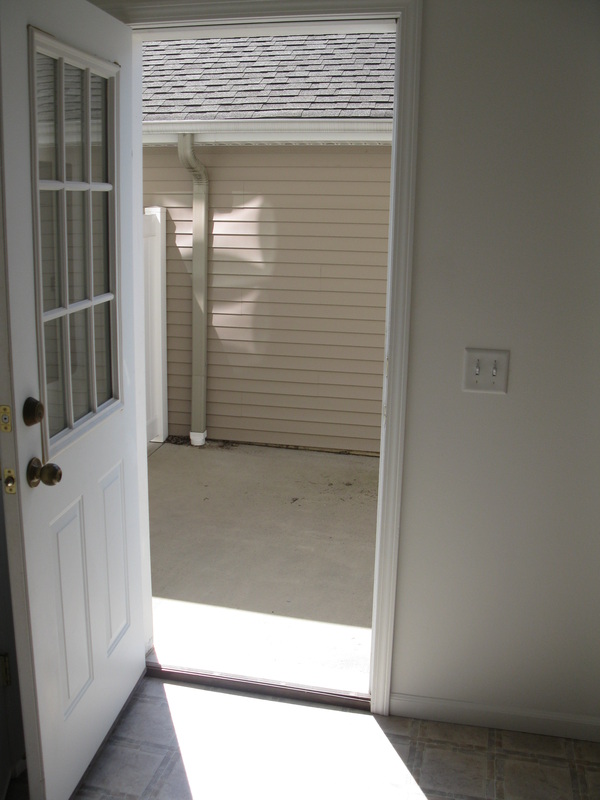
[(189, 159), (270, 131)]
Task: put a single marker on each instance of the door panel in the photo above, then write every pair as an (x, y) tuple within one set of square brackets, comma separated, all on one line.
[(75, 547)]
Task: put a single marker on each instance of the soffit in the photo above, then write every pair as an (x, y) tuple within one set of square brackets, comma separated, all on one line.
[(149, 13)]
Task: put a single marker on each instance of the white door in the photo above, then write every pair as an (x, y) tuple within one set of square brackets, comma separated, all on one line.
[(74, 546)]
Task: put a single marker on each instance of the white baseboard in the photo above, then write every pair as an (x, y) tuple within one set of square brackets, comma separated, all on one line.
[(572, 726)]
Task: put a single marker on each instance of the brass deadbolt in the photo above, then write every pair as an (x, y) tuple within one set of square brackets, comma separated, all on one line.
[(33, 411), (10, 481)]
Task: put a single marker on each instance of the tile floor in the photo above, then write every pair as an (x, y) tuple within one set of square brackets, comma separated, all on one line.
[(176, 742)]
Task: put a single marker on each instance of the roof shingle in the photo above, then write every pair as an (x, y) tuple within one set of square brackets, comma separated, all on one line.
[(314, 75)]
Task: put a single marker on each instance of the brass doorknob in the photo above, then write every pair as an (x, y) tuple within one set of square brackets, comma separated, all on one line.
[(33, 411), (50, 474)]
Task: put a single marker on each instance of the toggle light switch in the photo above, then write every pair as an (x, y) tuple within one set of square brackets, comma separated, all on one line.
[(485, 370)]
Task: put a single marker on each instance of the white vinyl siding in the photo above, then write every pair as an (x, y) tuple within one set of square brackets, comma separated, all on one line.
[(168, 184), (296, 297)]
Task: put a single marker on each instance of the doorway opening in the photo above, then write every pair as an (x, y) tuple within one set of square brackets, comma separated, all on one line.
[(263, 557)]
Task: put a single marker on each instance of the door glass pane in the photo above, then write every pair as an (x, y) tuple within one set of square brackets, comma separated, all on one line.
[(51, 272), (46, 73), (80, 366), (100, 254), (75, 139), (98, 133), (76, 249), (103, 353), (74, 108), (55, 387)]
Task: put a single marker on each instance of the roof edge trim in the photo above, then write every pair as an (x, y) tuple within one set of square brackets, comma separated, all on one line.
[(232, 132), (292, 27)]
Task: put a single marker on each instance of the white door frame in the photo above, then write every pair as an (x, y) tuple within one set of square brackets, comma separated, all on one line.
[(403, 172)]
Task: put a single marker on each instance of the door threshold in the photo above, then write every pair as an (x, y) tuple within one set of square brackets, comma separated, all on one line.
[(239, 683)]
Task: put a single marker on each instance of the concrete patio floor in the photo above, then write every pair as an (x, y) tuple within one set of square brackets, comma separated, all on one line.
[(262, 563)]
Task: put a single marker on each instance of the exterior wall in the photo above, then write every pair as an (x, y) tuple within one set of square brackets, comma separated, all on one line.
[(297, 280)]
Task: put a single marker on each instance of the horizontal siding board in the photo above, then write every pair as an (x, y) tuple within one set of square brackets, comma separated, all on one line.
[(294, 325), (178, 186), (297, 310), (177, 305), (168, 199), (180, 381), (180, 368), (313, 419), (180, 317), (300, 188), (304, 216), (177, 355), (298, 269), (298, 337), (285, 284), (266, 256), (281, 230), (293, 350), (179, 293), (179, 278), (306, 364), (303, 243), (300, 391), (179, 406), (297, 403), (178, 344), (180, 393), (282, 298), (178, 331), (176, 254), (281, 269), (321, 176), (308, 427), (319, 381), (179, 426), (227, 198)]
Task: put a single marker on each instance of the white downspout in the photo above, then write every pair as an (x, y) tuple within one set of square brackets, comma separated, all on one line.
[(189, 159)]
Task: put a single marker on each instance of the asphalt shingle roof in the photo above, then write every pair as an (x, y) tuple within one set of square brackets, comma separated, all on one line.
[(323, 76)]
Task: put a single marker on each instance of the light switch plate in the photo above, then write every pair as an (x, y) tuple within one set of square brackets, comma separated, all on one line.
[(485, 370)]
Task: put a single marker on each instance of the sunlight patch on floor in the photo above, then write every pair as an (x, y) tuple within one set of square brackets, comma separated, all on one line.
[(263, 647), (234, 746)]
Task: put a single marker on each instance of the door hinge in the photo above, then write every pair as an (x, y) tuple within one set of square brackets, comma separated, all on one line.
[(4, 670), (5, 419)]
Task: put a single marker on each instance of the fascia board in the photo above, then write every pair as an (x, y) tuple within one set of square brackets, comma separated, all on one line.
[(239, 132)]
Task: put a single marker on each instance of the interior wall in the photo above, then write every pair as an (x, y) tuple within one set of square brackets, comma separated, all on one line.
[(498, 595)]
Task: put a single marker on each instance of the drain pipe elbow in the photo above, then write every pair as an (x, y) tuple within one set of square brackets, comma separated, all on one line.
[(189, 159)]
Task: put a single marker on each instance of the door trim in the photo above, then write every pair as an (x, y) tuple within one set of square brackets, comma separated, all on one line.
[(400, 254), (400, 250)]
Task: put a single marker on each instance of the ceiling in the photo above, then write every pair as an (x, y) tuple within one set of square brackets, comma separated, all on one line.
[(150, 13)]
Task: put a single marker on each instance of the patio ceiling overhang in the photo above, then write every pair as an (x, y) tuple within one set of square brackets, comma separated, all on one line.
[(145, 14), (270, 132)]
